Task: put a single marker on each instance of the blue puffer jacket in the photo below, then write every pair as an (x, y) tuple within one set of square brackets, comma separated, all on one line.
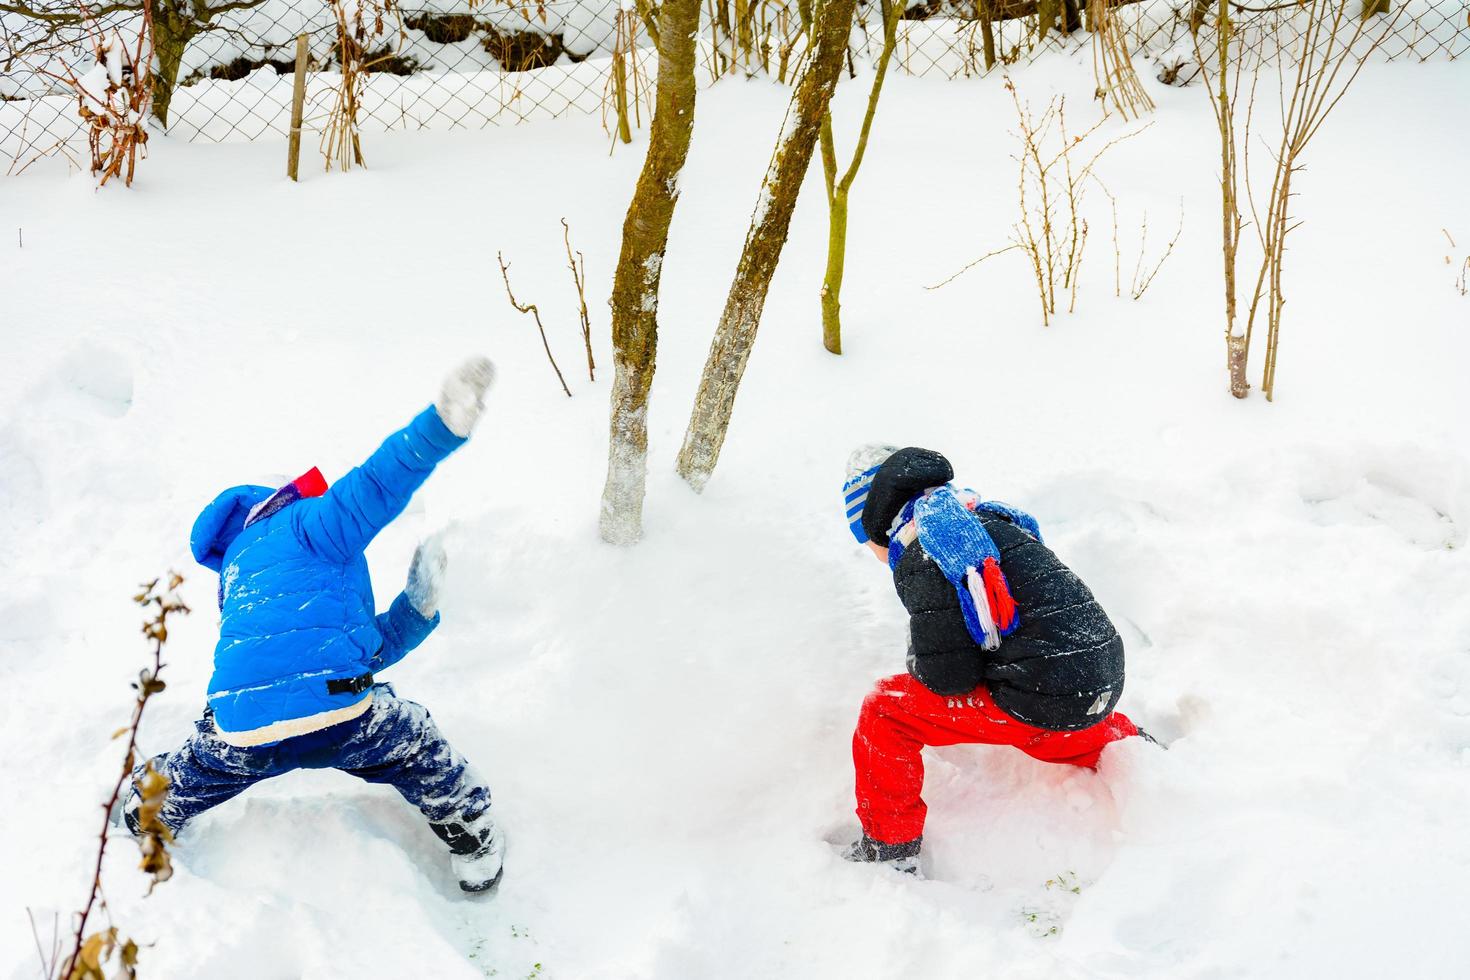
[(296, 603)]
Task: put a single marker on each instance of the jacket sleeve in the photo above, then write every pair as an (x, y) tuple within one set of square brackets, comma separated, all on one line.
[(340, 524), (402, 629)]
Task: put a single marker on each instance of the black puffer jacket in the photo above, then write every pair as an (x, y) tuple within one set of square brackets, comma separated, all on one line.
[(1061, 670)]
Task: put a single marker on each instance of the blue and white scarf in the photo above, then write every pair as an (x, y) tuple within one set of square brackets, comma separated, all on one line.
[(946, 522)]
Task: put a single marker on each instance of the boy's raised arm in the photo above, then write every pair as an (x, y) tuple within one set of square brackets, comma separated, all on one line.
[(366, 500)]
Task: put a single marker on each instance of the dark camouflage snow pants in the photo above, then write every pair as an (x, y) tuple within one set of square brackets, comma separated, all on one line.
[(395, 742)]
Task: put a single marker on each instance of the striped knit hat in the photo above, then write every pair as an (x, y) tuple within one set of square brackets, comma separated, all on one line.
[(862, 466)]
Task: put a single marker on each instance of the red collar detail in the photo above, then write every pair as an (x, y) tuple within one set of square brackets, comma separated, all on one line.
[(311, 483)]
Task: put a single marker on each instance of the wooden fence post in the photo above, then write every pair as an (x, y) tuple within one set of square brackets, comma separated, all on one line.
[(298, 103)]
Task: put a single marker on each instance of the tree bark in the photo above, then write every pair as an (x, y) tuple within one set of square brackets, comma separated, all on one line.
[(175, 24), (832, 279), (1046, 17), (640, 264), (735, 334), (1237, 345), (171, 35), (1071, 16), (987, 32), (838, 190)]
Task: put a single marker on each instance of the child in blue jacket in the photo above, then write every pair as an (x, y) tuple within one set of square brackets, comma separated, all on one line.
[(301, 642)]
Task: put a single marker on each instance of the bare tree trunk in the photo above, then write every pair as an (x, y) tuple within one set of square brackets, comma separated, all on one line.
[(713, 404), (636, 281), (838, 190), (174, 26), (1237, 345), (1071, 16), (831, 294), (987, 32), (1318, 73), (1046, 17)]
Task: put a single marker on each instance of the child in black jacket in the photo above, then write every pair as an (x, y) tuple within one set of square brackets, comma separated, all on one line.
[(1006, 645)]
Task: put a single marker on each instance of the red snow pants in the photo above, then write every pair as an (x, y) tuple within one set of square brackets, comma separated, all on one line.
[(901, 716)]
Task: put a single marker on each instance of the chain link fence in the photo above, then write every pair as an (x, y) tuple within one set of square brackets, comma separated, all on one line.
[(224, 68)]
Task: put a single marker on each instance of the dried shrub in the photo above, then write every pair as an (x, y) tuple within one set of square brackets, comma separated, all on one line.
[(233, 71), (114, 96), (755, 36), (95, 954), (1142, 279), (359, 23), (522, 50), (386, 61), (1462, 277), (1055, 169), (1321, 59), (443, 28), (628, 85), (1112, 64)]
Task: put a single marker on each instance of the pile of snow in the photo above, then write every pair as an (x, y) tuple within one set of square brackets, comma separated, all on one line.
[(666, 727)]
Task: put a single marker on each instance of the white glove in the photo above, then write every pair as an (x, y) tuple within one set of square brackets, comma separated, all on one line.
[(463, 396), (426, 576)]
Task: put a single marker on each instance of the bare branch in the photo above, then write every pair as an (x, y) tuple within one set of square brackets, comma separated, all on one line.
[(579, 279), (67, 17), (531, 309), (1139, 287), (970, 265)]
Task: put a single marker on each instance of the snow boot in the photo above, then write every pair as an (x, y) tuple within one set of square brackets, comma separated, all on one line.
[(900, 857), (476, 850), (124, 813), (481, 871)]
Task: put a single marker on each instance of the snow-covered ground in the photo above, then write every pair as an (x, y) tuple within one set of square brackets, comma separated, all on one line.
[(666, 728)]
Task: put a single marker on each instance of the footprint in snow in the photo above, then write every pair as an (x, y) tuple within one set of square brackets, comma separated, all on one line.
[(97, 380)]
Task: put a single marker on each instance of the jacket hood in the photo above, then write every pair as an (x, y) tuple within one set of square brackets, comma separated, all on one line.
[(221, 522)]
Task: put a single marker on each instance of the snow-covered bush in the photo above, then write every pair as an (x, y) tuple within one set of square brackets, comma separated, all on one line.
[(113, 96)]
